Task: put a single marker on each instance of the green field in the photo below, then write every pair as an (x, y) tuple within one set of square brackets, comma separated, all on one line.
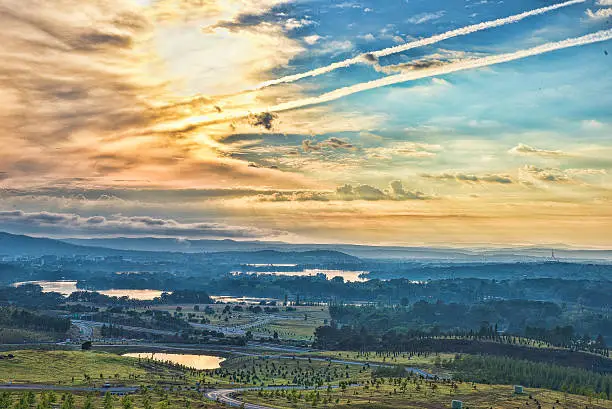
[(60, 367)]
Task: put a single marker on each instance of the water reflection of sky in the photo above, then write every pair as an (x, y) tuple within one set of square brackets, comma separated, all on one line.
[(329, 274), (67, 287), (192, 361)]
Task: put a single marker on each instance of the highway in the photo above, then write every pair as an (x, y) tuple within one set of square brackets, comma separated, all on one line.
[(87, 327)]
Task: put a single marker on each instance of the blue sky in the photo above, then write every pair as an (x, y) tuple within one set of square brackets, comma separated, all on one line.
[(189, 115)]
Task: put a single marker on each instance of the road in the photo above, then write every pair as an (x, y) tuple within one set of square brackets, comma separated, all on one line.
[(204, 348), (87, 327), (226, 395)]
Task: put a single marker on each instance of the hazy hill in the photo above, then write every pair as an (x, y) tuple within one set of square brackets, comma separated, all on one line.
[(19, 245), (296, 257), (523, 254)]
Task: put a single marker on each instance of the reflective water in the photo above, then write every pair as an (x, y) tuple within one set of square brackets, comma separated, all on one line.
[(190, 360), (329, 274), (234, 299), (69, 286)]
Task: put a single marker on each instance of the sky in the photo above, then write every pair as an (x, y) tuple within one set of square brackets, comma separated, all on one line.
[(454, 123)]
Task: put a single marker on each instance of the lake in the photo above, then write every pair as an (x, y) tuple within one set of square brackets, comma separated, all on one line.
[(67, 287), (192, 361), (246, 300), (352, 276)]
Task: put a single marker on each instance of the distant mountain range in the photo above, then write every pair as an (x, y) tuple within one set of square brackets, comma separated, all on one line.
[(361, 251), (20, 245)]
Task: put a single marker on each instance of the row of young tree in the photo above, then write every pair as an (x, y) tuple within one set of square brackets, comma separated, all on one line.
[(503, 370), (50, 400)]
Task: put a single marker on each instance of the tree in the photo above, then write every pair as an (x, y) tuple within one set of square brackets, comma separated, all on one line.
[(30, 398), (88, 403), (68, 401), (146, 401), (126, 402), (5, 400), (108, 401)]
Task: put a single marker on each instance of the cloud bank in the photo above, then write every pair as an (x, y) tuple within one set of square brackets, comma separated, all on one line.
[(118, 225)]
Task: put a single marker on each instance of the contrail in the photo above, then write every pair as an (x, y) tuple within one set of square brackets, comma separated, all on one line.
[(597, 37), (415, 44)]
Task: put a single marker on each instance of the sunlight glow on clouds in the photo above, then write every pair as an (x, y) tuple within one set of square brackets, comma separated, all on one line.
[(307, 121)]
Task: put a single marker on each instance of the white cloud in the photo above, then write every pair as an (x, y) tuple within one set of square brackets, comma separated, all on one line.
[(599, 14), (592, 124), (404, 149), (311, 39), (425, 17), (470, 178), (522, 149), (600, 36), (418, 43), (368, 37), (587, 172)]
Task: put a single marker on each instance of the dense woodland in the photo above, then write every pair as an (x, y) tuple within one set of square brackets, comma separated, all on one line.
[(546, 321), (18, 318)]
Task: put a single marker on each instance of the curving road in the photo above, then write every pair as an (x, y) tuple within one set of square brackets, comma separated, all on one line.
[(226, 396)]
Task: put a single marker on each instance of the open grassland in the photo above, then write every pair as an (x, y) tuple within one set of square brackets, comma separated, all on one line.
[(60, 367), (254, 371), (424, 395)]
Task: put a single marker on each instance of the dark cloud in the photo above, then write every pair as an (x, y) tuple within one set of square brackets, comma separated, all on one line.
[(264, 120), (368, 57), (73, 224)]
